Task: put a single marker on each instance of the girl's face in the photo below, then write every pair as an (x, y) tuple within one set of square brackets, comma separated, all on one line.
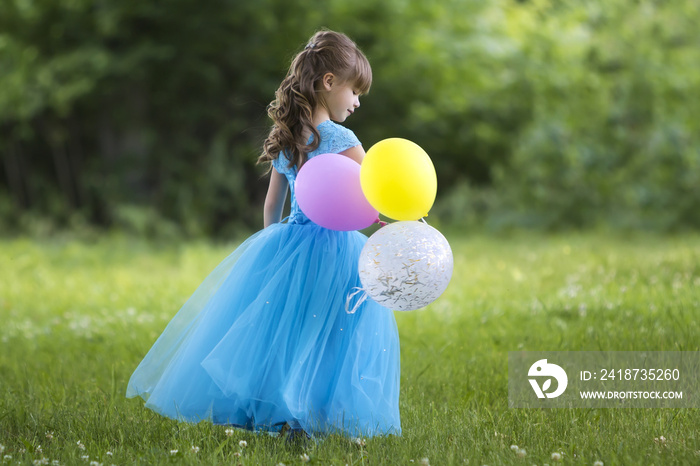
[(341, 100)]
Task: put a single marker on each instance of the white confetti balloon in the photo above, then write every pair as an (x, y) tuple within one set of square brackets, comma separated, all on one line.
[(405, 265)]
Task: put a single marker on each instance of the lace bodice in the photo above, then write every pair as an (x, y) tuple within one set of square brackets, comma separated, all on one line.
[(334, 139)]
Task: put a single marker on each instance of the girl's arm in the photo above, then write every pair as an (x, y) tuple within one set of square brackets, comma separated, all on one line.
[(356, 153), (274, 200)]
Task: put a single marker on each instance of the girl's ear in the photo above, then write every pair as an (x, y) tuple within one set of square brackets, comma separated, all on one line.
[(327, 81)]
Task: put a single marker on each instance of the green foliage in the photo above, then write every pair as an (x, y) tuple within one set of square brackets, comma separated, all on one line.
[(561, 113), (613, 133), (78, 317)]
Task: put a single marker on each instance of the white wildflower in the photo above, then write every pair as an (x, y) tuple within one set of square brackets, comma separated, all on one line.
[(598, 463), (2, 447), (359, 441), (55, 463), (95, 463), (38, 449), (281, 464), (237, 454), (305, 458), (425, 462), (85, 457), (49, 435), (7, 457), (229, 432), (514, 447), (243, 444), (80, 445), (521, 453), (556, 456), (173, 452), (194, 449), (40, 461), (109, 453)]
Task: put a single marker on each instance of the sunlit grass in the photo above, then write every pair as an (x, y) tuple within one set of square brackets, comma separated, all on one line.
[(77, 318)]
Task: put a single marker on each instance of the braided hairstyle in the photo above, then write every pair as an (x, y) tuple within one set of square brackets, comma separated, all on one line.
[(295, 100)]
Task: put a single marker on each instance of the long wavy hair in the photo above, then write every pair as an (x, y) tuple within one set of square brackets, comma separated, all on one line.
[(296, 98)]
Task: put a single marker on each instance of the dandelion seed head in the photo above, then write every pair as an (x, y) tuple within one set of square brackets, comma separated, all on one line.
[(305, 458), (425, 462), (521, 453), (194, 449), (556, 456), (598, 463), (514, 447), (243, 444), (229, 432)]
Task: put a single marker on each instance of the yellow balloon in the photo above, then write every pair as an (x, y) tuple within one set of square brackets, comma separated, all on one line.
[(398, 179)]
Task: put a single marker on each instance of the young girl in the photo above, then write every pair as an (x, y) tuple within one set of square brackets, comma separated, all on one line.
[(265, 342)]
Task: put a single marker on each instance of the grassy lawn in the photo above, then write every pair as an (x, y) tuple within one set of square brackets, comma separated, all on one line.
[(76, 318)]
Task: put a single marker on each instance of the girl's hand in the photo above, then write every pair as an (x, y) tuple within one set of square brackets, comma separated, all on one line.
[(381, 223)]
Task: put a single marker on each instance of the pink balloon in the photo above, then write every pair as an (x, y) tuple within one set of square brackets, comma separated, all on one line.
[(328, 191)]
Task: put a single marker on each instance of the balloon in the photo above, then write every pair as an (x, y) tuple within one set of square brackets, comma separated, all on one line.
[(405, 265), (398, 179), (328, 191)]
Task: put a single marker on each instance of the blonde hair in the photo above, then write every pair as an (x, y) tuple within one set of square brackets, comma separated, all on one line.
[(296, 98)]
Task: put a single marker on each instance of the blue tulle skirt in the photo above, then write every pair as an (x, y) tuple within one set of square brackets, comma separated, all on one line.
[(266, 340)]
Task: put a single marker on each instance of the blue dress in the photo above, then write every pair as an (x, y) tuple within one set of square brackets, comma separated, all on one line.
[(266, 340)]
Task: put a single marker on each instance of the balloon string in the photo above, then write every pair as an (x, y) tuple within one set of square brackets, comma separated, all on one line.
[(357, 305)]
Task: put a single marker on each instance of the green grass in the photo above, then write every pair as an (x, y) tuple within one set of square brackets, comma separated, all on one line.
[(77, 318)]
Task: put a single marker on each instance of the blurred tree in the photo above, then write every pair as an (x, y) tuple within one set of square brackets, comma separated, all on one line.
[(150, 115), (613, 137)]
